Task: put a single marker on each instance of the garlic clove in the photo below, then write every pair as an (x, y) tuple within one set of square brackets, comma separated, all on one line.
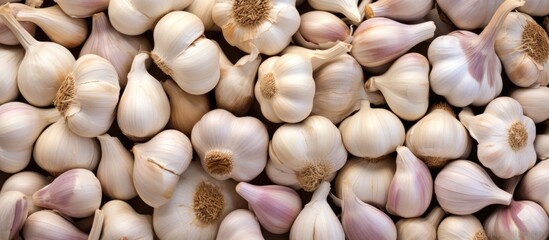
[(462, 187), (13, 214), (82, 8), (420, 228), (239, 224), (11, 58), (401, 10), (519, 220), (461, 227), (532, 102), (276, 207), (49, 225), (541, 145), (469, 14), (97, 225), (115, 170), (534, 185), (535, 8), (75, 193), (203, 10), (185, 109), (321, 30), (349, 8), (27, 183), (122, 222)]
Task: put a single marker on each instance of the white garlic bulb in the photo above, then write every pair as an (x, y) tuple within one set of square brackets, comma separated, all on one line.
[(321, 30), (405, 86), (462, 187), (533, 102), (317, 220), (505, 137), (535, 8), (74, 193), (15, 207), (303, 155), (239, 224), (197, 207), (82, 8), (28, 183), (115, 170), (534, 185), (386, 132), (519, 220), (401, 10), (185, 109), (522, 46), (20, 127), (49, 225), (122, 222), (349, 8), (269, 28), (466, 69), (439, 137), (58, 149), (6, 36), (38, 82), (227, 150), (114, 46), (11, 58), (203, 10), (144, 108), (375, 44), (420, 228), (469, 14), (461, 227)]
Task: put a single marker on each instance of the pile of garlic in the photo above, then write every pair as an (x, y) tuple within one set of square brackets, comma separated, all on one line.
[(272, 119)]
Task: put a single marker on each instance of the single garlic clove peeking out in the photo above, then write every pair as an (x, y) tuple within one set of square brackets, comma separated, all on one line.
[(11, 58), (535, 185), (461, 227), (122, 222), (239, 224), (536, 8), (115, 170), (321, 30), (469, 14), (400, 10), (75, 193), (532, 101), (82, 8), (420, 228), (49, 225), (185, 109), (276, 207), (6, 36), (28, 183), (349, 8), (519, 220), (15, 207)]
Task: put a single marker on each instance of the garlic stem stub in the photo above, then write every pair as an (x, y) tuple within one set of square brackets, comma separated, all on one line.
[(421, 228), (401, 10), (7, 37)]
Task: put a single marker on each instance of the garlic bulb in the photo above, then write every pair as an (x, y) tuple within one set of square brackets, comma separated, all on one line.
[(303, 155), (75, 193), (469, 14), (338, 88), (317, 220), (541, 145), (14, 212), (58, 149), (462, 187), (144, 108), (235, 89), (520, 220), (82, 8), (276, 207), (349, 8), (375, 44), (439, 137), (115, 170), (203, 10), (49, 225), (183, 53), (443, 25), (321, 30), (116, 47), (122, 222), (534, 185), (400, 10), (362, 221), (185, 109), (405, 86), (88, 96), (532, 101), (11, 58), (285, 88), (60, 28), (420, 228), (522, 46), (269, 28), (466, 69), (535, 8), (39, 85), (461, 227), (6, 36), (27, 183), (368, 179), (386, 132), (198, 206), (227, 150), (239, 224), (21, 125), (505, 137)]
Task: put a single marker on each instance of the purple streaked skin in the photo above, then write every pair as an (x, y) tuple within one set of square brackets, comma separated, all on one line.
[(21, 210)]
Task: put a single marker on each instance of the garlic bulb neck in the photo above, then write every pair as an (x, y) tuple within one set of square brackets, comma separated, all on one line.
[(487, 38), (320, 57), (435, 216), (312, 175), (218, 162), (24, 37), (65, 94), (260, 9), (208, 202)]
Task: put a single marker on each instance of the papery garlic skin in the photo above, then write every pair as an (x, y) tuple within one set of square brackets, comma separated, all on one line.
[(536, 8), (541, 145), (239, 224), (28, 183), (14, 212), (522, 46), (115, 170), (203, 10), (303, 155), (520, 220), (532, 102), (463, 187), (420, 228), (317, 219), (48, 225), (185, 109), (461, 227), (269, 29), (349, 8), (534, 185), (321, 30), (11, 58), (6, 36), (122, 222), (469, 14), (82, 8), (401, 10)]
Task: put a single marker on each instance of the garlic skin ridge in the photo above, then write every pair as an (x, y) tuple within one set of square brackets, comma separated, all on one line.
[(469, 14), (239, 224), (115, 170), (536, 8), (11, 58), (519, 220)]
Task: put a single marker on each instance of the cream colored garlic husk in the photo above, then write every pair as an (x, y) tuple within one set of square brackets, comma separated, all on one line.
[(6, 36), (322, 30), (532, 101), (114, 46), (47, 224), (349, 8), (20, 127), (535, 184), (522, 46), (182, 52), (519, 220), (420, 228), (235, 90), (115, 170), (317, 220), (461, 227), (28, 183), (185, 109), (405, 86), (144, 108), (88, 96), (505, 137), (469, 14), (11, 58), (122, 222), (203, 10), (536, 8), (439, 137), (541, 145), (198, 206), (400, 10), (303, 155), (226, 149), (239, 224), (269, 29), (82, 8), (58, 149), (15, 208)]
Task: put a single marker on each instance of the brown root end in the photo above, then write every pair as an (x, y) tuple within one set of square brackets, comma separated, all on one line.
[(208, 203), (267, 85), (435, 162), (251, 13), (517, 136), (161, 64), (219, 163), (480, 235), (310, 176), (369, 13), (65, 94), (443, 106), (535, 42)]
